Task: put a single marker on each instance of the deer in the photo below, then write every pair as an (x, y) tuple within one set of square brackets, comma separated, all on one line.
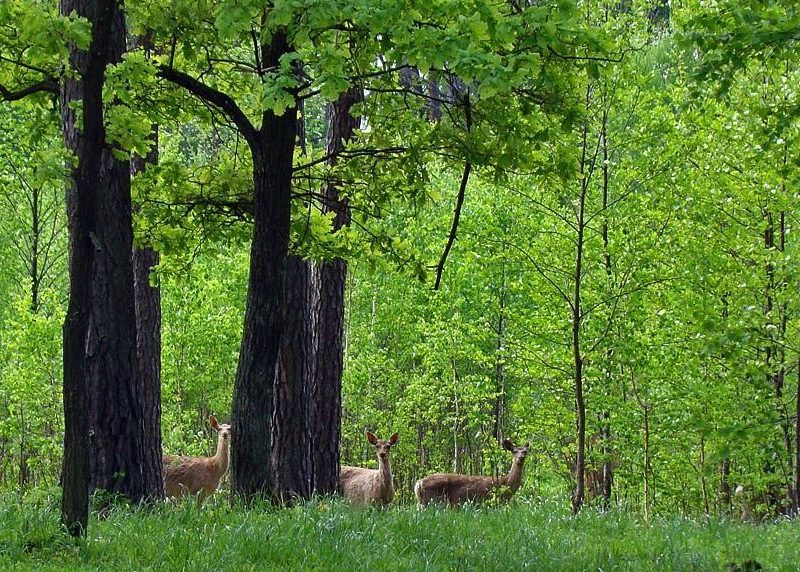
[(370, 486), (198, 475), (454, 489)]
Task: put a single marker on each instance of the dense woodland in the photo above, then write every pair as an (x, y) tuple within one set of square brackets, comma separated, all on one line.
[(568, 223)]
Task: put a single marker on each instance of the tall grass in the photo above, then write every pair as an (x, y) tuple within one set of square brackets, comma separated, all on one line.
[(329, 535)]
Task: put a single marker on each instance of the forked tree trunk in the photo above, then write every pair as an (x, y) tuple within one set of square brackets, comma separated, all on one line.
[(252, 408), (328, 298)]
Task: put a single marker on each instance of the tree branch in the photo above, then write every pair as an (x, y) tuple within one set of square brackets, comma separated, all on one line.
[(459, 202), (210, 95), (48, 85)]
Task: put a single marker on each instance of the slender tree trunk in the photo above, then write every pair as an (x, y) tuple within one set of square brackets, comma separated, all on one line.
[(36, 231), (252, 408), (291, 445), (148, 344), (327, 299), (796, 475), (580, 402), (607, 469), (499, 364)]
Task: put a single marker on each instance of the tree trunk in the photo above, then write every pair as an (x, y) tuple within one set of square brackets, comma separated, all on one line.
[(88, 143), (291, 447), (499, 363), (580, 403), (273, 152), (607, 475), (724, 488), (328, 296), (148, 344), (796, 475), (118, 450)]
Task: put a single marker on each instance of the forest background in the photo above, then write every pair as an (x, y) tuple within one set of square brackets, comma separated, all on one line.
[(618, 279)]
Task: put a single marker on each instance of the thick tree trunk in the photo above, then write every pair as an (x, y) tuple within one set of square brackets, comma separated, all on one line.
[(148, 345), (291, 444), (328, 299), (118, 451), (82, 210), (251, 467)]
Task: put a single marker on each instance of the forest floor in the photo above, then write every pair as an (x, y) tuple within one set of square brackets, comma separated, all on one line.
[(325, 535)]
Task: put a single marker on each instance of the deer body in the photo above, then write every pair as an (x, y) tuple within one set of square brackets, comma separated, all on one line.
[(198, 475), (370, 486), (453, 489)]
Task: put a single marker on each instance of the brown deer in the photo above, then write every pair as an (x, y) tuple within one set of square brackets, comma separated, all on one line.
[(370, 486), (198, 475), (455, 489)]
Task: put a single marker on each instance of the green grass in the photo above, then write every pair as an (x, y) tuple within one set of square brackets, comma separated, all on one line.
[(329, 535)]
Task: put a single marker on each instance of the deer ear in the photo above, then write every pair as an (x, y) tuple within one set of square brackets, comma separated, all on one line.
[(393, 439), (372, 438), (507, 445), (213, 422), (528, 445)]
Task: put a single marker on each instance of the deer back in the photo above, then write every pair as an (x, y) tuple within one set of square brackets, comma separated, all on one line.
[(454, 489)]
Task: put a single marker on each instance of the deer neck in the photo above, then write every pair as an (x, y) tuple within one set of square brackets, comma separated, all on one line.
[(384, 471), (514, 477), (222, 455)]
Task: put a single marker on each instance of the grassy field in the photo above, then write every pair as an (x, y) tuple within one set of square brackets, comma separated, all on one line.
[(329, 535)]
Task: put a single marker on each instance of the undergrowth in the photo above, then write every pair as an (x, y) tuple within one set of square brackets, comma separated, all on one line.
[(327, 534)]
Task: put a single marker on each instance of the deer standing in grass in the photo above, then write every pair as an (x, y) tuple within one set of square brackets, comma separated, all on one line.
[(198, 475), (455, 489), (370, 486)]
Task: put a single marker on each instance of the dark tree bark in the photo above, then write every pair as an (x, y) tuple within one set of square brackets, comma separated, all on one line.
[(291, 444), (328, 298), (273, 151), (82, 208), (118, 451), (117, 448), (148, 343)]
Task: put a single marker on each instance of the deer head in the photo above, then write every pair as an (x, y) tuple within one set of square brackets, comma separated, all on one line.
[(382, 447), (223, 429), (519, 452)]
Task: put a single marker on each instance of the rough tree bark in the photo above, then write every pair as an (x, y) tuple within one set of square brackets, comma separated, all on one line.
[(118, 450), (82, 209), (291, 443), (329, 286), (148, 342), (272, 147)]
